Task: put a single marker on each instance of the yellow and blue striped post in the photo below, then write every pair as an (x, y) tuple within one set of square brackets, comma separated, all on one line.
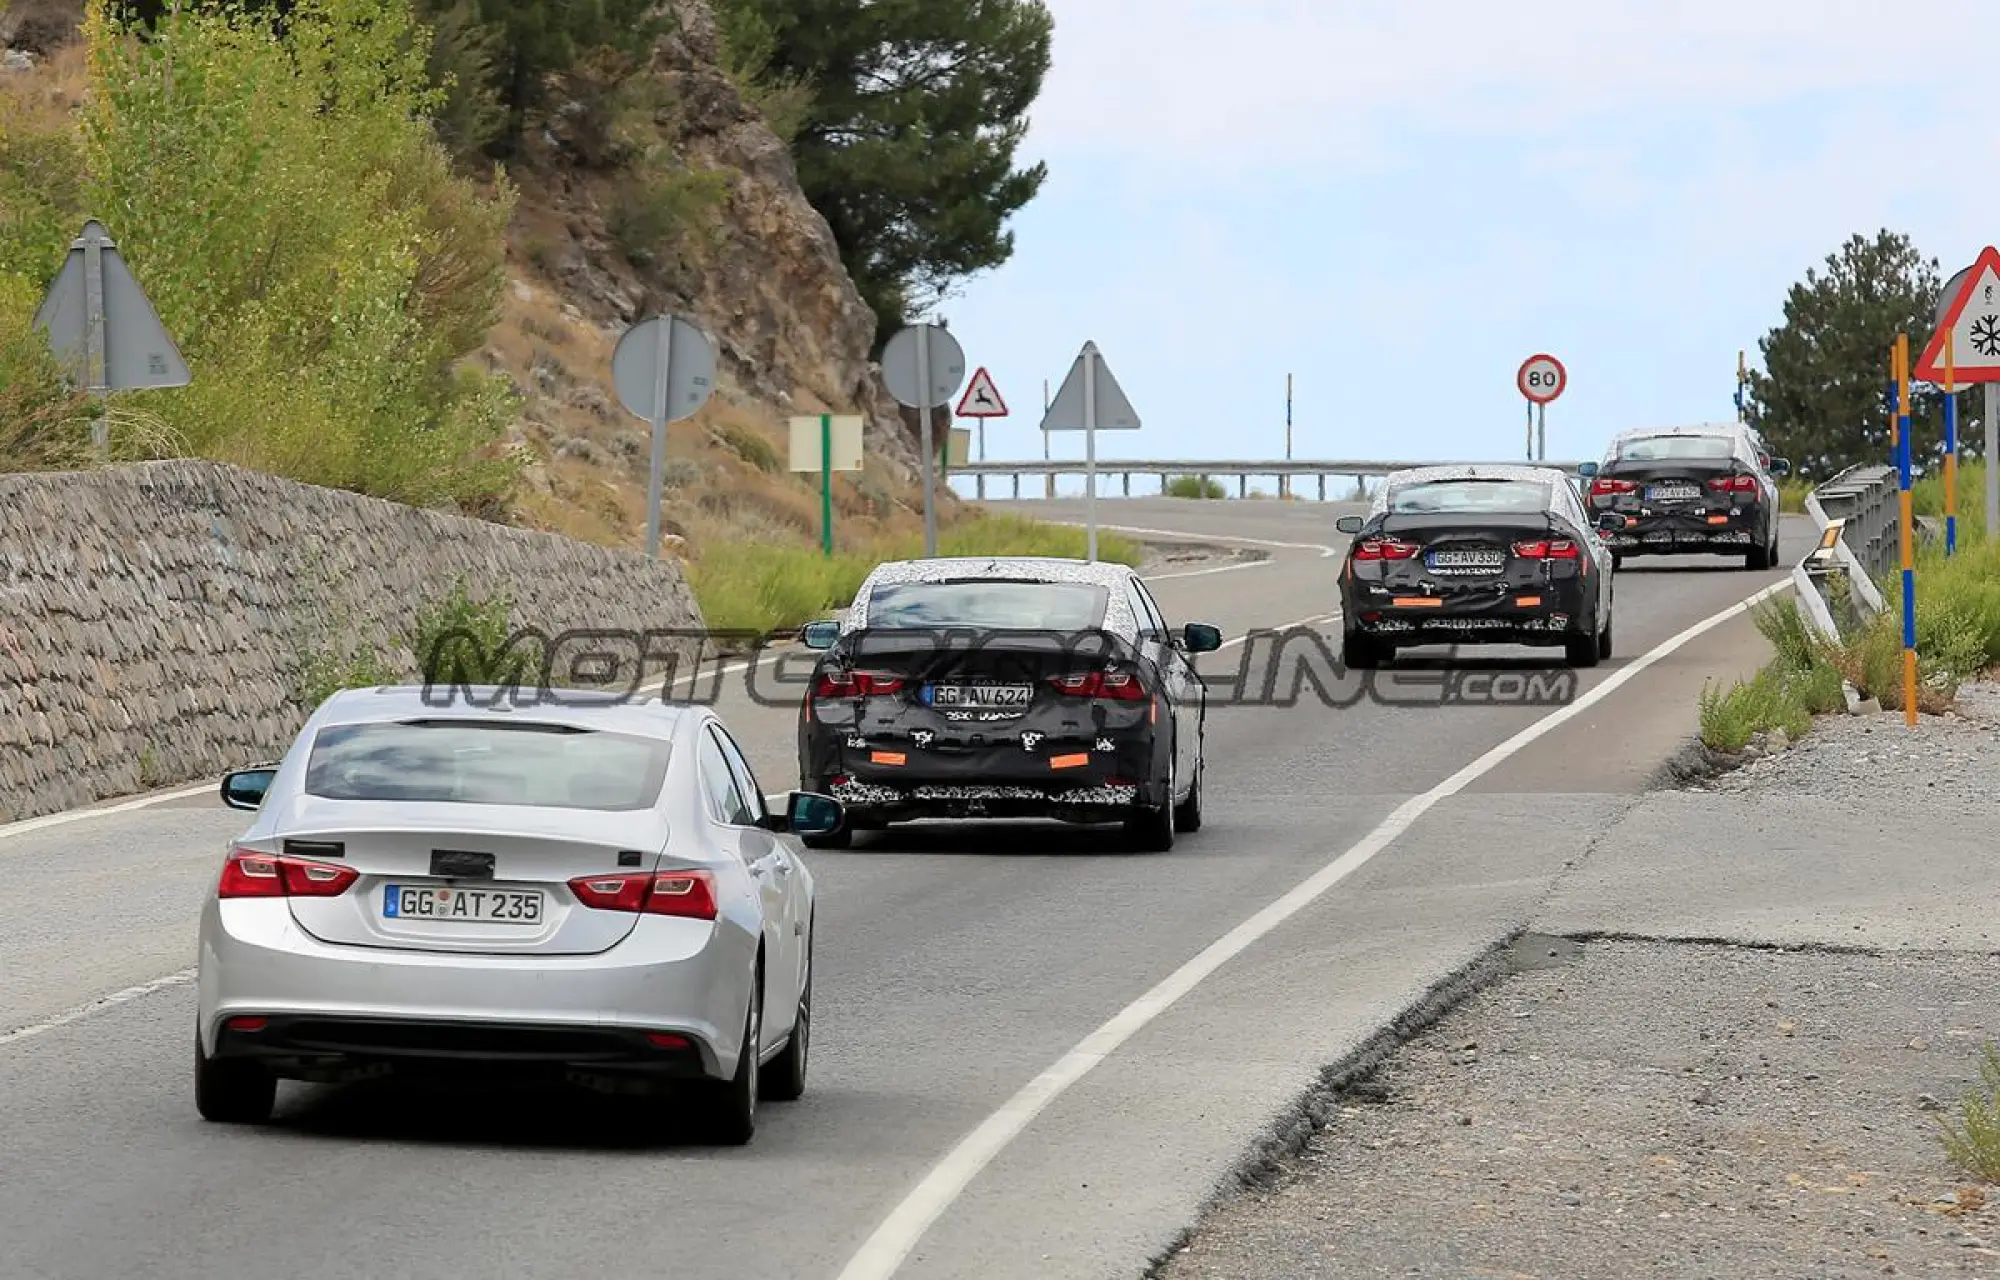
[(1908, 522), (1950, 449)]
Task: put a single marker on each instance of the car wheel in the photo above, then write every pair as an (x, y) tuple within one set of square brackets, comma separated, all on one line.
[(1359, 652), (1152, 830), (783, 1079), (1617, 561), (732, 1117), (1187, 815), (1604, 637), (1581, 650), (232, 1091)]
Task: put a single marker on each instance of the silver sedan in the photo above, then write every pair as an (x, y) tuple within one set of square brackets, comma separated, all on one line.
[(595, 892)]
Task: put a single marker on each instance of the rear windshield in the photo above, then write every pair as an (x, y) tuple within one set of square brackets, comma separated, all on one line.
[(1674, 448), (1526, 497), (485, 763), (986, 602)]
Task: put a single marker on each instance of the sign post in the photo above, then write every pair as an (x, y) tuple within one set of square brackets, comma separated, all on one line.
[(103, 327), (826, 443), (1908, 531), (922, 366), (981, 401), (1090, 400), (1540, 379), (1285, 482), (1966, 348), (663, 370)]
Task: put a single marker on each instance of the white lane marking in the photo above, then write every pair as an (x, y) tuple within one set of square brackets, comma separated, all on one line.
[(773, 802), (98, 1005), (25, 825), (899, 1233), (1191, 536)]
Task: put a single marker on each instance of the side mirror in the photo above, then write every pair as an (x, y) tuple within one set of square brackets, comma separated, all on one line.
[(1199, 637), (1781, 466), (245, 788), (1610, 521), (1349, 524), (820, 635), (808, 813), (1586, 469)]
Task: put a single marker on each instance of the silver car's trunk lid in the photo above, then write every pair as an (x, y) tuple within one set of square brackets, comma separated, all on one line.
[(482, 878)]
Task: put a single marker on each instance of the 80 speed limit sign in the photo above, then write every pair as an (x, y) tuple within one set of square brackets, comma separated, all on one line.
[(1542, 378)]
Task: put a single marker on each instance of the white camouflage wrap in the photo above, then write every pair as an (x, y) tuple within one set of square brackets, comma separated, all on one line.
[(1118, 616), (1464, 471)]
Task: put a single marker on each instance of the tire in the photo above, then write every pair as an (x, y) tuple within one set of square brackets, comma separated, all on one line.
[(1617, 561), (1152, 830), (1582, 650), (231, 1090), (1187, 814), (1760, 558), (1604, 637), (783, 1079), (730, 1117), (1359, 652)]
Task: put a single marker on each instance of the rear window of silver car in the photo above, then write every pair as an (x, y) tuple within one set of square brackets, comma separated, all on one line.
[(1525, 497), (988, 602), (461, 762), (1675, 448)]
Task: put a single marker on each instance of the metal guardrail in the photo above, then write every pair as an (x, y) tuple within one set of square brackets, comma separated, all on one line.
[(1284, 470), (1856, 514)]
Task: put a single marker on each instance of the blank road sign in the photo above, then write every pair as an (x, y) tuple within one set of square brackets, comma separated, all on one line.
[(1114, 411), (138, 353), (635, 369), (899, 366), (846, 436)]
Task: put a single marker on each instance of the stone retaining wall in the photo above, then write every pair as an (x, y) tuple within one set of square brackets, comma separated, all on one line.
[(154, 619)]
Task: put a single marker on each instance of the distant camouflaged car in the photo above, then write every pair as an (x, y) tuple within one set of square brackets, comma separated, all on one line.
[(1475, 555), (1009, 687), (1698, 490)]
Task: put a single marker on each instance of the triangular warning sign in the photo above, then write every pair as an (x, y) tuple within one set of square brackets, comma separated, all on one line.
[(981, 398), (1972, 322)]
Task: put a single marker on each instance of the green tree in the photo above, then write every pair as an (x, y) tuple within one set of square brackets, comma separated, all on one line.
[(907, 146), (521, 44), (1821, 397)]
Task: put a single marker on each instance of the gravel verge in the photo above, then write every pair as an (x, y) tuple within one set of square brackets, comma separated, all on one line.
[(1661, 1107), (1777, 1118)]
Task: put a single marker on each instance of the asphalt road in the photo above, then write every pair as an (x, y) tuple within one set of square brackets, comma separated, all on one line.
[(955, 965)]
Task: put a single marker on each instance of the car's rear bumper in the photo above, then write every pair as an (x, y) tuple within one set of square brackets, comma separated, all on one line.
[(1689, 533), (1536, 615), (329, 1007), (1087, 777)]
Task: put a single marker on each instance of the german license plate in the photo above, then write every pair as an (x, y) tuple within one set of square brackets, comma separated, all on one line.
[(1467, 560), (999, 696), (1672, 493), (472, 906)]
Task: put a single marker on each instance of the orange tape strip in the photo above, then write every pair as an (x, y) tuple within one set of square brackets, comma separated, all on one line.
[(1068, 762), (886, 757)]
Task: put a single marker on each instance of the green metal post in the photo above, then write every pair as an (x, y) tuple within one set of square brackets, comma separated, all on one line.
[(826, 482)]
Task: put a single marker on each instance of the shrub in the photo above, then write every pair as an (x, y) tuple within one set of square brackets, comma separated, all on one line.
[(301, 233), (462, 639), (1802, 680), (1194, 487), (1974, 1144)]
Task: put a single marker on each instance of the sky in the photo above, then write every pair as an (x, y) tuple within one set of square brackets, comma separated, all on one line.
[(1397, 203)]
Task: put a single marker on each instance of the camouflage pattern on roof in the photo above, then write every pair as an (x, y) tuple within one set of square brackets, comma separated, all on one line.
[(1464, 471)]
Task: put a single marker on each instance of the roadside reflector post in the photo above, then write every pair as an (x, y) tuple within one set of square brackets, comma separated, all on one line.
[(1950, 449), (1902, 361)]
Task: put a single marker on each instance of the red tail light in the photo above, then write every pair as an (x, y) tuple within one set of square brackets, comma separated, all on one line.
[(1603, 487), (1384, 549), (1556, 549), (251, 873), (1121, 686), (855, 684), (1734, 484), (690, 894)]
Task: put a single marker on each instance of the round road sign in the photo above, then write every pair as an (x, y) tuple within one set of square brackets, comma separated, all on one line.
[(1951, 289), (1541, 378)]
